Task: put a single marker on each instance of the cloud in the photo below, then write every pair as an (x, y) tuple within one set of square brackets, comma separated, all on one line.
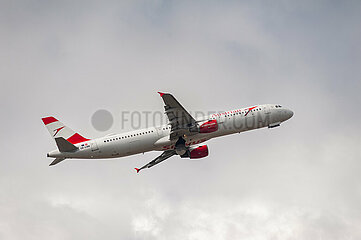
[(220, 218)]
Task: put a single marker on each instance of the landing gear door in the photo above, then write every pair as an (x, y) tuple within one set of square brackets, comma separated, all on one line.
[(94, 146)]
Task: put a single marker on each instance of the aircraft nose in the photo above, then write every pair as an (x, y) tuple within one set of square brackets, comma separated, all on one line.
[(288, 113)]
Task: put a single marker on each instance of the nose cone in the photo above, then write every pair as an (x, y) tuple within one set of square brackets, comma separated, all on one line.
[(288, 114)]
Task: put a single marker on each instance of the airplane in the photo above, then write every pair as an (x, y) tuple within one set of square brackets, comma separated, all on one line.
[(183, 135)]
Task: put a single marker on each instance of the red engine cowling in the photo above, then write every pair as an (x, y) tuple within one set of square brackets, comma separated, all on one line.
[(199, 152), (209, 126)]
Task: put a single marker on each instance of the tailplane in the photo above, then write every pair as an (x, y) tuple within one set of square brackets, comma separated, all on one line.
[(64, 145), (56, 161), (58, 130)]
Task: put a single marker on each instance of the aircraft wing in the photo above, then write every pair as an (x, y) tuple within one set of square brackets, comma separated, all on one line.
[(164, 156), (180, 120)]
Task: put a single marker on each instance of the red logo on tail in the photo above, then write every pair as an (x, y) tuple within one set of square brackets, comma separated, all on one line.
[(57, 130)]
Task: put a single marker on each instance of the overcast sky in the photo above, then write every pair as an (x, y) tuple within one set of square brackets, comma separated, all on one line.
[(71, 58)]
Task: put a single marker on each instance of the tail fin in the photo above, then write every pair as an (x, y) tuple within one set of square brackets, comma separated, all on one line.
[(57, 129)]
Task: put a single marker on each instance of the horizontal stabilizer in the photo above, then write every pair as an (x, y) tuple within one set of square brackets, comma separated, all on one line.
[(64, 145), (56, 161)]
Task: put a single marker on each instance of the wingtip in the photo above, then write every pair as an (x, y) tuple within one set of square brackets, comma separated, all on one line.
[(137, 169), (161, 94)]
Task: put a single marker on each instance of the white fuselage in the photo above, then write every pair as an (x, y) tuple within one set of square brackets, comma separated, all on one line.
[(157, 138)]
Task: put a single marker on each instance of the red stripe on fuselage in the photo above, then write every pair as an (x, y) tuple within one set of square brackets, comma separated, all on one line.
[(49, 120)]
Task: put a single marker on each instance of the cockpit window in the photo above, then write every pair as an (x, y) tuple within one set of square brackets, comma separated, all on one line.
[(278, 106)]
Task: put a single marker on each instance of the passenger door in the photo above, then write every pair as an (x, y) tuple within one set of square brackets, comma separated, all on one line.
[(94, 146)]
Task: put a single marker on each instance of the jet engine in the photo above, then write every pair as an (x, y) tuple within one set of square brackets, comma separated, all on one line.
[(209, 126), (196, 152)]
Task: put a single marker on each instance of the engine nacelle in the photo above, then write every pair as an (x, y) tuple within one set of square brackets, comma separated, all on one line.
[(209, 126), (199, 152)]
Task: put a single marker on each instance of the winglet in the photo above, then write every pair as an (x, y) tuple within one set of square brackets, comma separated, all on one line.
[(137, 169), (161, 94)]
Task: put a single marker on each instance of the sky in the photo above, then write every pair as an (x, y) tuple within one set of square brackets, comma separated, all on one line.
[(70, 59)]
